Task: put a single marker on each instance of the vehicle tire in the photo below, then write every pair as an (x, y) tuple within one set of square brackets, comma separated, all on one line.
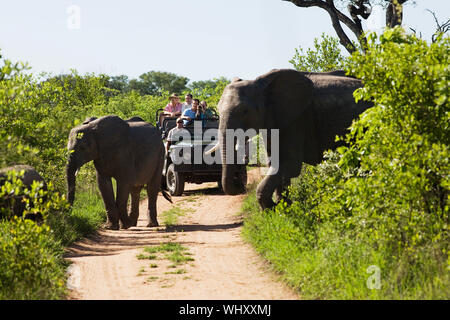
[(175, 181)]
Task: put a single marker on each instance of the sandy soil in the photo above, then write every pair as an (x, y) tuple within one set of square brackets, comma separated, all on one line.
[(105, 266)]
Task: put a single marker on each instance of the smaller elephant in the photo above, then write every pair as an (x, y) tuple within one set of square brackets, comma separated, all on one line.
[(130, 151), (30, 175)]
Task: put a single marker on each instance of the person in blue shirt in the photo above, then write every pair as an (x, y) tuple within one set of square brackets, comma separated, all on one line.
[(192, 113)]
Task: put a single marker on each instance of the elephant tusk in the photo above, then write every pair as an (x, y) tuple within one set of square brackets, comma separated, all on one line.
[(212, 149), (76, 172)]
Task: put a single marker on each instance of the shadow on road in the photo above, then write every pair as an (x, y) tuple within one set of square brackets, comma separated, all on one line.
[(107, 243), (204, 191), (201, 227)]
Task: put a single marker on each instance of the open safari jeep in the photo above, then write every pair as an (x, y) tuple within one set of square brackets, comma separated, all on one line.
[(186, 160)]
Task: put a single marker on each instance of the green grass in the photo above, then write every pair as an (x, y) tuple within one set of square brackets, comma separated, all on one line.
[(321, 262), (179, 271), (170, 217), (146, 257), (85, 217), (172, 251), (165, 247), (178, 258), (152, 278)]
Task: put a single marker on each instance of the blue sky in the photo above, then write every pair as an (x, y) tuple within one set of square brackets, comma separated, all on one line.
[(199, 39)]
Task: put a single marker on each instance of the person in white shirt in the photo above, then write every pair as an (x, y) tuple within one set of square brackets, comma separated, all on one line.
[(187, 104), (175, 134)]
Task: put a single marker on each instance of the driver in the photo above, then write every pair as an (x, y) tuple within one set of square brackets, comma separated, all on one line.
[(175, 134), (190, 114)]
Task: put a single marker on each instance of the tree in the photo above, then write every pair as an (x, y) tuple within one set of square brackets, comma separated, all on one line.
[(326, 56), (155, 82), (206, 87), (119, 83), (357, 9)]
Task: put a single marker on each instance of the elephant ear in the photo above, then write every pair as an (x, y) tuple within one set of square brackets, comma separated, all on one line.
[(287, 94), (112, 134)]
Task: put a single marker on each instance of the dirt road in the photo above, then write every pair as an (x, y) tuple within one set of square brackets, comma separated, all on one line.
[(215, 263)]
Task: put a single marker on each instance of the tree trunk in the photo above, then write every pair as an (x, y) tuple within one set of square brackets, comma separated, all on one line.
[(394, 13)]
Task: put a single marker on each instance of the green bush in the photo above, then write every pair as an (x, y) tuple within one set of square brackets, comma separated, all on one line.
[(31, 264), (326, 56), (381, 202), (36, 116)]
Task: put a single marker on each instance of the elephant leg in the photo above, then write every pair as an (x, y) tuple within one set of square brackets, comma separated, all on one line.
[(265, 189), (152, 193), (123, 192), (281, 191), (134, 214), (106, 190)]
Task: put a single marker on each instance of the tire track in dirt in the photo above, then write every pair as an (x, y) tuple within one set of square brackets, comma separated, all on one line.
[(224, 267)]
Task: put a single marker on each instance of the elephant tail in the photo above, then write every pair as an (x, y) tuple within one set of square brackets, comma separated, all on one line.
[(166, 195)]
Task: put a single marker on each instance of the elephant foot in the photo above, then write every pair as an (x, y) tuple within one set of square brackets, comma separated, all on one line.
[(265, 202), (111, 226), (152, 224), (133, 223), (127, 224)]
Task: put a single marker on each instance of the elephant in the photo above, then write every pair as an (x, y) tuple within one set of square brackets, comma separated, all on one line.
[(30, 175), (309, 110), (130, 151)]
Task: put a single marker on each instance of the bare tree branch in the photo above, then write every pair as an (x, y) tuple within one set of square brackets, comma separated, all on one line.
[(358, 9), (440, 28), (336, 17)]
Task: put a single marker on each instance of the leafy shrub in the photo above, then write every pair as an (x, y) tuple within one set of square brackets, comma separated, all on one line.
[(381, 201), (31, 265), (326, 56)]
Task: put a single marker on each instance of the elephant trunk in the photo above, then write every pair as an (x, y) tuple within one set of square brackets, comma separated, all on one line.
[(232, 174), (71, 169)]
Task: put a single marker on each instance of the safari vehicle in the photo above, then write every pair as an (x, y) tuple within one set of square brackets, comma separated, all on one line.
[(176, 174)]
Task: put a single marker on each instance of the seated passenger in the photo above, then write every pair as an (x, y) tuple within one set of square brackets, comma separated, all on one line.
[(206, 113), (175, 134), (187, 104), (192, 113), (172, 109)]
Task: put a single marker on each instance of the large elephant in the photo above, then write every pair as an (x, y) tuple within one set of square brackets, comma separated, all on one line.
[(30, 175), (308, 109), (131, 152)]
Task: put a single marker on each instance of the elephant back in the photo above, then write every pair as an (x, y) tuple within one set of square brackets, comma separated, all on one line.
[(30, 174), (111, 133), (144, 135)]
